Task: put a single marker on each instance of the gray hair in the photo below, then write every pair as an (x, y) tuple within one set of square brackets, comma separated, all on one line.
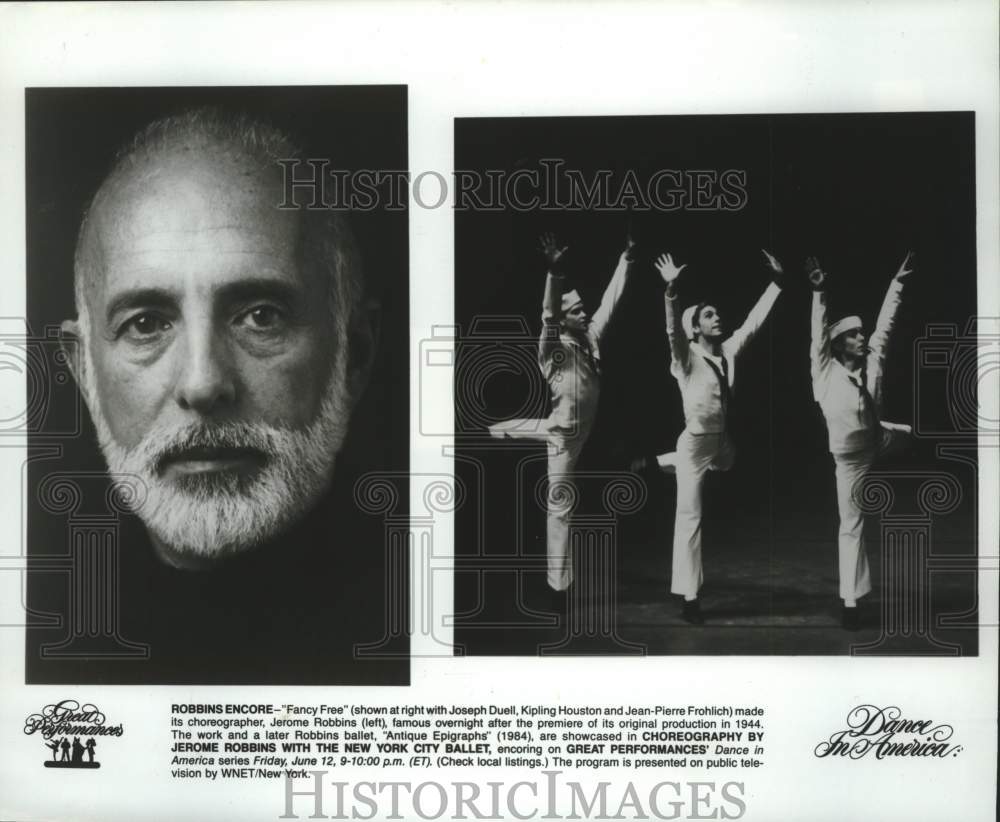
[(326, 239)]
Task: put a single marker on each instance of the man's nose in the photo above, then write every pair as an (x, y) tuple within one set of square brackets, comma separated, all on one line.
[(206, 381)]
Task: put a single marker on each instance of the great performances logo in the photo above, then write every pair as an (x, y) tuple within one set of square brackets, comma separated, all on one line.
[(61, 722), (886, 733)]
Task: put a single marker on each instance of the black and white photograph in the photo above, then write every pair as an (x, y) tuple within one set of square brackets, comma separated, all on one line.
[(709, 385), (501, 410), (228, 341)]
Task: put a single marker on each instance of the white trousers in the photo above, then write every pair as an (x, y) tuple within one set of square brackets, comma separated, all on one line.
[(855, 577), (561, 498), (696, 455), (851, 470)]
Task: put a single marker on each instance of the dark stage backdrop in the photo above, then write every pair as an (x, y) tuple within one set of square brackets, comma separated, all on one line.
[(856, 190)]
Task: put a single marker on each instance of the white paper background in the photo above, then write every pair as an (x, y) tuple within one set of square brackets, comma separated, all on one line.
[(511, 59)]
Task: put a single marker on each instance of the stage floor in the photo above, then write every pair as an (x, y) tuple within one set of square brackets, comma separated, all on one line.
[(778, 597)]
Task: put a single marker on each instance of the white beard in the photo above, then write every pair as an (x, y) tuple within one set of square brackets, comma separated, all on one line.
[(211, 515)]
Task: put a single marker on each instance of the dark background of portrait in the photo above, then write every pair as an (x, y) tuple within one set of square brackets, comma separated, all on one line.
[(72, 136), (856, 190)]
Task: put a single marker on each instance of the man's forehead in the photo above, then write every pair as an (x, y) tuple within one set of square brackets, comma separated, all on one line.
[(181, 210), (183, 192)]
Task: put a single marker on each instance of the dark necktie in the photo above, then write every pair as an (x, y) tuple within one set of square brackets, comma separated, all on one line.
[(722, 375), (588, 351), (867, 402)]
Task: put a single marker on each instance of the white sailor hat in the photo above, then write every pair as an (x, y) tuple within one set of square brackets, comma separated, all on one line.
[(569, 299), (688, 319), (847, 324)]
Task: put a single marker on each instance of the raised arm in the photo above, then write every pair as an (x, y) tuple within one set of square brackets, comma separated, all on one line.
[(552, 298), (614, 290), (819, 345), (680, 351), (758, 314), (879, 340)]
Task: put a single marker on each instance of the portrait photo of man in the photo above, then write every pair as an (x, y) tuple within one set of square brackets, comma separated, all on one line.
[(237, 332)]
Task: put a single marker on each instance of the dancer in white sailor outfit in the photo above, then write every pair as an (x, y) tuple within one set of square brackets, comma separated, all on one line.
[(569, 357), (847, 384), (704, 365)]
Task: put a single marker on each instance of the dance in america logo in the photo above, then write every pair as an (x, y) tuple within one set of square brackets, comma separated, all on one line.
[(887, 733)]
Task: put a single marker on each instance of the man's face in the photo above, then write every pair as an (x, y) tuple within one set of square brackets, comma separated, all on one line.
[(212, 364), (576, 318), (853, 343), (710, 323)]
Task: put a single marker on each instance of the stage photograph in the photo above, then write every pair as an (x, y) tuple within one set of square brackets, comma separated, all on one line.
[(217, 357), (716, 385)]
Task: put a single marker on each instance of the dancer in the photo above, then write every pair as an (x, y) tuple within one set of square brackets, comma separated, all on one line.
[(569, 357), (704, 364), (54, 747), (847, 384)]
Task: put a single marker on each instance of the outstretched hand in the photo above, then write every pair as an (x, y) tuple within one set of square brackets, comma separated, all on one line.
[(665, 265), (904, 269), (777, 272), (551, 251), (817, 276), (772, 262)]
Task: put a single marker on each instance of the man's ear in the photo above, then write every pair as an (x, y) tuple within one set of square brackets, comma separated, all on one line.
[(71, 346), (362, 345)]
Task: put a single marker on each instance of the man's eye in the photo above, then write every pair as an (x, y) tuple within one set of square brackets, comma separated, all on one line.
[(262, 317), (144, 325)]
